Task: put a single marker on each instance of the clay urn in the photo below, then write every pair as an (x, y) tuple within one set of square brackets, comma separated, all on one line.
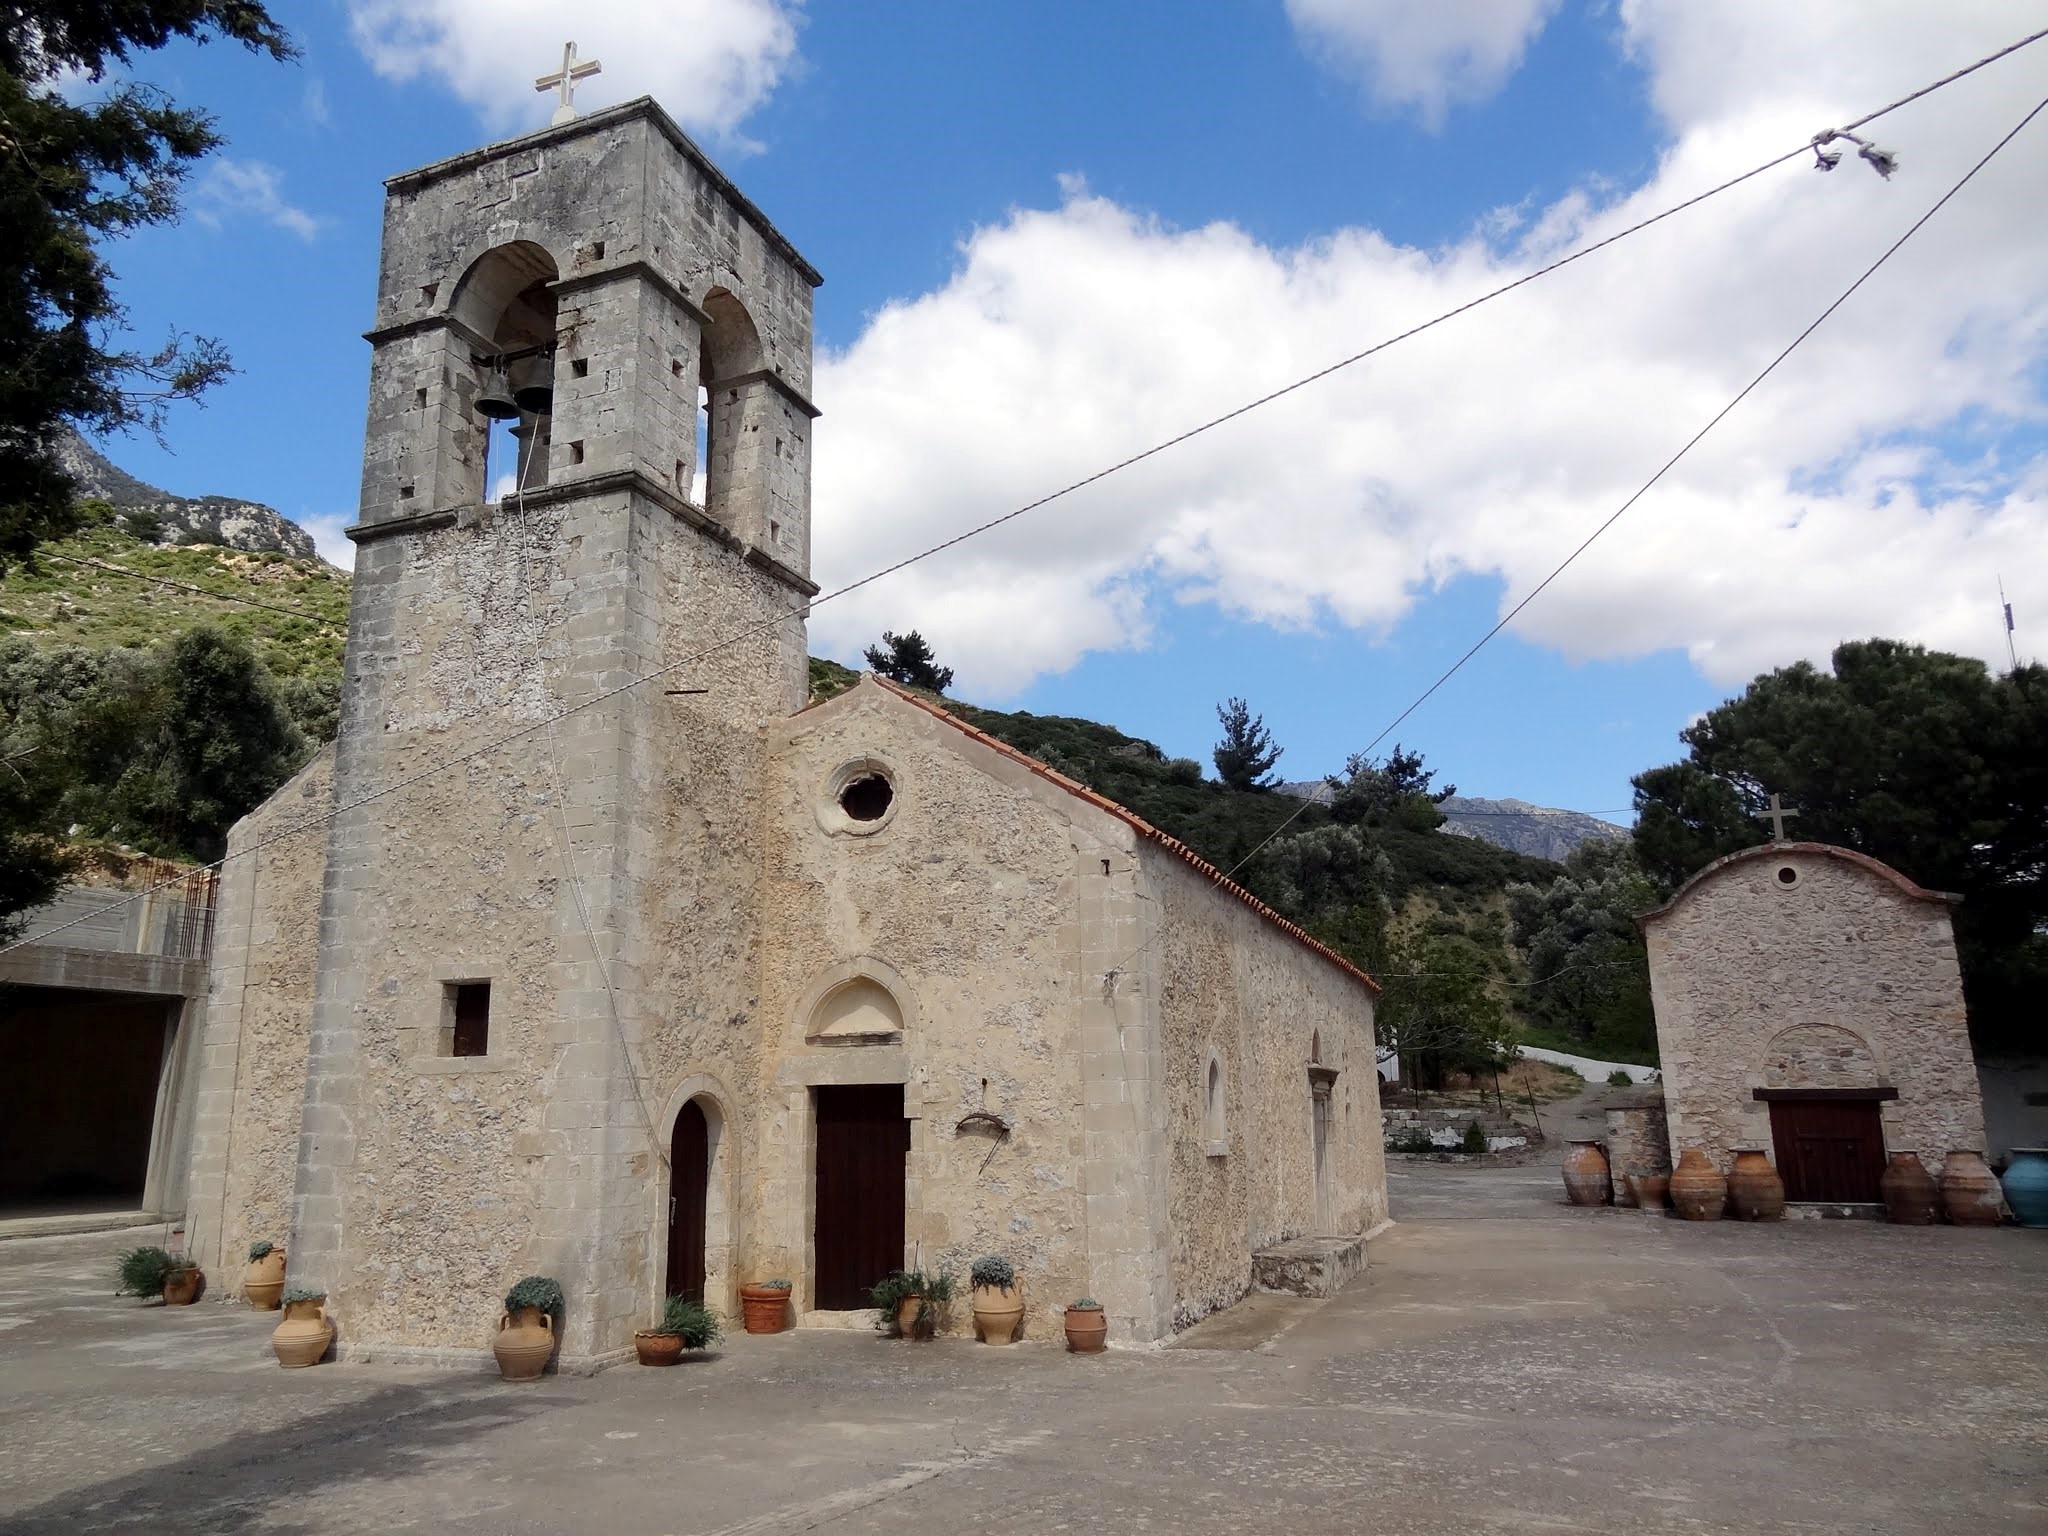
[(655, 1348), (998, 1313), (908, 1311), (524, 1343), (302, 1338), (1087, 1328), (183, 1285), (263, 1280), (1587, 1178), (1755, 1192), (2026, 1186), (764, 1306), (1652, 1190), (1969, 1192), (1698, 1192), (1910, 1197)]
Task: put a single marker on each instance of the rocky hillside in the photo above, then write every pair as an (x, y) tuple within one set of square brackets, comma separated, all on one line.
[(1519, 827), (158, 517)]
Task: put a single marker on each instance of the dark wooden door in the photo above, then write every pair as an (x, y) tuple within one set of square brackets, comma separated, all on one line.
[(1828, 1149), (689, 1179), (863, 1145)]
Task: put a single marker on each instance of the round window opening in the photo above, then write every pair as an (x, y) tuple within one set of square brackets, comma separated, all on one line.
[(1787, 875), (867, 798)]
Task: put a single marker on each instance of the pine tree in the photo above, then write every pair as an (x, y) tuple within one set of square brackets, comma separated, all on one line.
[(906, 659), (1246, 754)]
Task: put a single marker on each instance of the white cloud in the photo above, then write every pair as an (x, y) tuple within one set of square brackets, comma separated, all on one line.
[(1423, 54), (328, 538), (228, 188), (1871, 487), (709, 62)]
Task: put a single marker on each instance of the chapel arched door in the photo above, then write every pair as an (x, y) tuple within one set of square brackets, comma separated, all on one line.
[(689, 1172)]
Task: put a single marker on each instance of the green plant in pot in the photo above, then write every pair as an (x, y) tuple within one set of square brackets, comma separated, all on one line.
[(1087, 1326), (263, 1280), (909, 1303), (143, 1271), (764, 1305), (685, 1324), (302, 1338), (525, 1340), (998, 1303)]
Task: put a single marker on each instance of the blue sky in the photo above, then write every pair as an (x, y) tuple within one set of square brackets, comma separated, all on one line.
[(1311, 174)]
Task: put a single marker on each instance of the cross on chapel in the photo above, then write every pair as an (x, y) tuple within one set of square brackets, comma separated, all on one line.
[(1777, 816), (564, 81)]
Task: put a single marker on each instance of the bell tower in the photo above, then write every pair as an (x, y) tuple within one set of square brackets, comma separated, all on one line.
[(587, 462)]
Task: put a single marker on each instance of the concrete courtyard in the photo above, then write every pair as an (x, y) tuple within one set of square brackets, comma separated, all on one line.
[(1508, 1363)]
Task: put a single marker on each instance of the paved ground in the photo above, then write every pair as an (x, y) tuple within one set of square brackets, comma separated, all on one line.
[(1509, 1364)]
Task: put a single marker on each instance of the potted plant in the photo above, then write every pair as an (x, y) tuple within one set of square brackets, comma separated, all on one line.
[(302, 1338), (525, 1340), (685, 1324), (263, 1280), (184, 1283), (998, 1307), (145, 1271), (764, 1306), (908, 1302), (1087, 1328)]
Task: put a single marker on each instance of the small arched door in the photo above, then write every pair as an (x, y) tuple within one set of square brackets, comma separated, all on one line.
[(689, 1177)]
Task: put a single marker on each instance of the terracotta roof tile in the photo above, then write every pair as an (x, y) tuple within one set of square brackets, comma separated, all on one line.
[(1137, 823)]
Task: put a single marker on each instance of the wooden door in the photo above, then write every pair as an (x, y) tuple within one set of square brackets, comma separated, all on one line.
[(689, 1180), (863, 1147), (1828, 1149)]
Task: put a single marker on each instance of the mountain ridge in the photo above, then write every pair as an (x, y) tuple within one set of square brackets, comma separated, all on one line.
[(163, 518)]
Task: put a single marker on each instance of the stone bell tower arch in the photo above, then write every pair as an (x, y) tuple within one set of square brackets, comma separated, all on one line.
[(499, 967)]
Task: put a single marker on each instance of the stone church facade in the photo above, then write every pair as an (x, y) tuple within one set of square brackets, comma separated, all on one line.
[(679, 983), (1809, 1003)]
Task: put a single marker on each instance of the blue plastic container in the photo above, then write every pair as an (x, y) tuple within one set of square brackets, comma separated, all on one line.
[(2026, 1186)]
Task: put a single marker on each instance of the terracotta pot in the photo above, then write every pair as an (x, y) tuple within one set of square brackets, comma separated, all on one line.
[(302, 1338), (2026, 1186), (907, 1311), (524, 1344), (998, 1313), (1969, 1193), (1652, 1190), (1910, 1196), (1698, 1192), (656, 1348), (1755, 1192), (263, 1281), (764, 1308), (182, 1287), (1587, 1178), (1087, 1330)]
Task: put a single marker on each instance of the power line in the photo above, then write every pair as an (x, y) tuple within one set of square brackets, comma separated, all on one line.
[(606, 695), (186, 586), (1615, 516)]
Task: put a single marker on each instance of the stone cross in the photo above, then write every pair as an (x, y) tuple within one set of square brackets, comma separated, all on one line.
[(564, 82), (1777, 816)]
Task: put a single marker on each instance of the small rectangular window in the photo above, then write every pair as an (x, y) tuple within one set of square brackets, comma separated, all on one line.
[(468, 1031)]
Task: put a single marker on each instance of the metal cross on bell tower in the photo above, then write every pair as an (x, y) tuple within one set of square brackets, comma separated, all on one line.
[(564, 81), (1777, 816)]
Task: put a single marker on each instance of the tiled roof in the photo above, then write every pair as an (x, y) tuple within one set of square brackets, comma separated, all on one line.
[(1828, 850), (1137, 823)]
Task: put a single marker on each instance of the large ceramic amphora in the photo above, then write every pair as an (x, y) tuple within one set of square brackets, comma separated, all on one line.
[(1587, 1178), (1969, 1192), (2026, 1186), (1755, 1192), (524, 1343), (263, 1281), (1908, 1190), (1698, 1192), (998, 1312), (302, 1338)]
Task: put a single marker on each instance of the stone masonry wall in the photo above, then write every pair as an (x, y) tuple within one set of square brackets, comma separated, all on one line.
[(1839, 978), (1232, 986)]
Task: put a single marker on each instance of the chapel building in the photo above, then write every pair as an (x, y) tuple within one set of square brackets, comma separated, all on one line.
[(594, 949)]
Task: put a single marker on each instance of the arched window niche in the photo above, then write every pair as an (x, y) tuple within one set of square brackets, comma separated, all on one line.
[(860, 1002), (731, 353), (1215, 1101), (505, 312)]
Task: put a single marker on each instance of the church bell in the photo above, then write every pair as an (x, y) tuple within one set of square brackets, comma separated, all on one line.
[(496, 400), (533, 383)]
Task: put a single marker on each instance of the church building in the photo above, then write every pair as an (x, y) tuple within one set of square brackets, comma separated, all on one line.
[(594, 949)]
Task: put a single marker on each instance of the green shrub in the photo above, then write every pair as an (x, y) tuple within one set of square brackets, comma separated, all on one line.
[(691, 1321), (261, 1249), (993, 1271), (933, 1292), (1474, 1139), (294, 1293), (773, 1285), (143, 1271), (1618, 1079), (1411, 1139), (535, 1291), (1084, 1304)]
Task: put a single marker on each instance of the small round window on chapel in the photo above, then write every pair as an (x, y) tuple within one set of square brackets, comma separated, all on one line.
[(1787, 875), (867, 798)]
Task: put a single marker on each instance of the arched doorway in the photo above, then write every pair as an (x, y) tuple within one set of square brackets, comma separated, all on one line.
[(689, 1182)]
